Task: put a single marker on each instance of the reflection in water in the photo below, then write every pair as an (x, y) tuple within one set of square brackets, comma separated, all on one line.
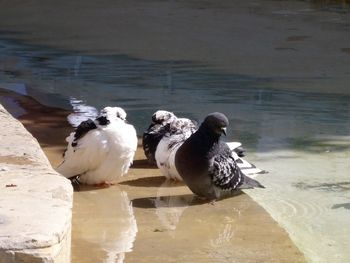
[(224, 236), (81, 112), (104, 219), (223, 242), (169, 207)]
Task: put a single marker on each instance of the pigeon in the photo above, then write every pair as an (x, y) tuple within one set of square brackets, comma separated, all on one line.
[(206, 163), (100, 151), (155, 132), (176, 133)]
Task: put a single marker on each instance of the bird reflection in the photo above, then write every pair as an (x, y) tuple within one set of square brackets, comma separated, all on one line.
[(169, 208), (225, 235), (106, 222), (225, 231)]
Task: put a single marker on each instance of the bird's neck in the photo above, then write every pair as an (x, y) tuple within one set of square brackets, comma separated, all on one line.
[(209, 137)]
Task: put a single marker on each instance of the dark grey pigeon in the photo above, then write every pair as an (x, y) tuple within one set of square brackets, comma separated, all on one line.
[(206, 164)]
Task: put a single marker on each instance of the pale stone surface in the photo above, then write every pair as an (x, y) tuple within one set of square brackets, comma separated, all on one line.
[(35, 201)]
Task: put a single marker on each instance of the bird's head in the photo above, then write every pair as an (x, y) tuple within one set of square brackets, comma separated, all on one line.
[(182, 124), (216, 123), (109, 114), (163, 117)]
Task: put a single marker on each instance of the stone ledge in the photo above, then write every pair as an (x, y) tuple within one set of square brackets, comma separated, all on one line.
[(35, 201)]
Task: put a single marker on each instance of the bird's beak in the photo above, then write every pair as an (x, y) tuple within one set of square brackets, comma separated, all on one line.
[(223, 130)]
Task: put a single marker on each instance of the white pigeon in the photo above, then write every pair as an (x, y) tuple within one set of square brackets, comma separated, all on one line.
[(155, 132), (176, 133), (102, 150)]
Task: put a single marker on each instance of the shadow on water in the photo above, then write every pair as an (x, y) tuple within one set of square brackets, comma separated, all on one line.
[(153, 202), (334, 187), (154, 181), (318, 145), (164, 201), (142, 164), (345, 206), (30, 112), (184, 200)]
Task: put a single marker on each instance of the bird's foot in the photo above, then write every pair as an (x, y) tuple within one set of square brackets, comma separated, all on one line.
[(75, 183), (104, 184)]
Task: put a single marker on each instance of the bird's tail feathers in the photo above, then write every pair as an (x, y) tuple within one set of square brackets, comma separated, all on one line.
[(233, 145), (250, 183), (237, 148), (67, 171)]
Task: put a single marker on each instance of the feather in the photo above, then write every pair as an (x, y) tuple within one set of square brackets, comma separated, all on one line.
[(100, 151)]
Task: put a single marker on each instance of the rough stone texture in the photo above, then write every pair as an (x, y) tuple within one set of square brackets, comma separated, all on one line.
[(35, 201)]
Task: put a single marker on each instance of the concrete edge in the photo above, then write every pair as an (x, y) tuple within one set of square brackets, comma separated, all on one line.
[(35, 201)]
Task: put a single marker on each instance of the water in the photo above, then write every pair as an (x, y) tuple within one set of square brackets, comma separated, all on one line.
[(287, 99)]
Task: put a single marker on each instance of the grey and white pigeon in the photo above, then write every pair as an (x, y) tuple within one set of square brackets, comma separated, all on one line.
[(102, 150), (155, 132), (206, 163), (176, 133)]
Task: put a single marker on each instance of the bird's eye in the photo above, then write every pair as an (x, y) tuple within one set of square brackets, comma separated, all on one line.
[(120, 116)]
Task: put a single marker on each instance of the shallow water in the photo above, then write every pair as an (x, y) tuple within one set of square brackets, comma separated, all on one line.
[(284, 87)]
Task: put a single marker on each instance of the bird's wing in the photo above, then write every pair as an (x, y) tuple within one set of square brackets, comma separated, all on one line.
[(83, 128), (84, 154), (224, 171), (233, 145), (150, 139), (226, 174), (165, 154), (246, 167)]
